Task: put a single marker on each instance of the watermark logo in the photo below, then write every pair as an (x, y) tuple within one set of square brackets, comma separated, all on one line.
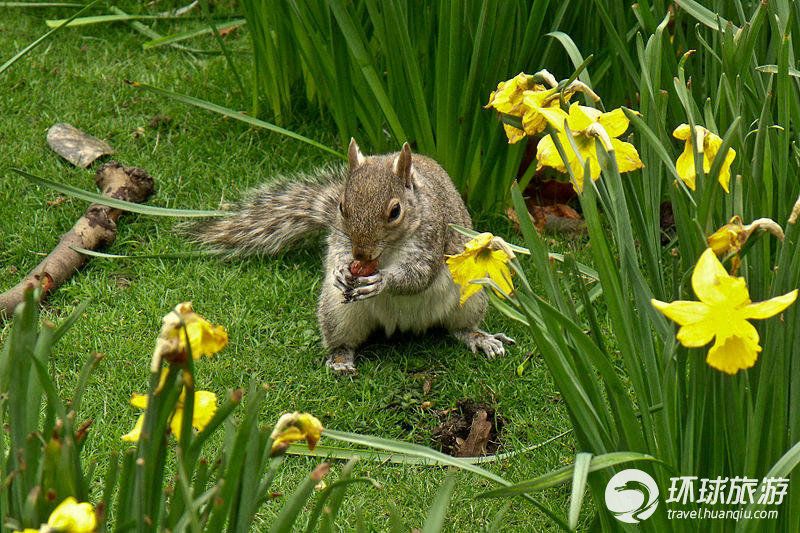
[(632, 496)]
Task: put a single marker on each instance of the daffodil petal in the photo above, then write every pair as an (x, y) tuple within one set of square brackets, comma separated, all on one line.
[(615, 122), (136, 432), (479, 242), (742, 328), (696, 334), (311, 427), (682, 132), (538, 112), (587, 150), (683, 312), (205, 339), (626, 155), (684, 166), (176, 422), (296, 426), (205, 406), (713, 285), (468, 290), (555, 116), (711, 143), (497, 270), (548, 156), (139, 400), (581, 117), (728, 238), (733, 353), (508, 96), (464, 269), (725, 170), (771, 307), (73, 517), (513, 134)]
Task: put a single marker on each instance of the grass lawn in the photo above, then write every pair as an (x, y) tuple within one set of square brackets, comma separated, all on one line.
[(267, 304)]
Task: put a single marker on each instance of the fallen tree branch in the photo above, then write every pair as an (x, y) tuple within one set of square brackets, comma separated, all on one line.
[(96, 229)]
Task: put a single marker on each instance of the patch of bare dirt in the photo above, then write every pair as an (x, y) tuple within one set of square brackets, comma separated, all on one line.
[(471, 429)]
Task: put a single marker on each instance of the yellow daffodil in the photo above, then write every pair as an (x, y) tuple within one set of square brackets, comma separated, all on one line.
[(522, 96), (586, 124), (708, 146), (534, 120), (508, 99), (205, 339), (730, 238), (293, 427), (722, 314), (73, 517), (508, 96), (484, 256), (205, 406)]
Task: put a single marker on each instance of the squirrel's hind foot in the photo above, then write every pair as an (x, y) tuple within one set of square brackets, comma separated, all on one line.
[(490, 344), (342, 361)]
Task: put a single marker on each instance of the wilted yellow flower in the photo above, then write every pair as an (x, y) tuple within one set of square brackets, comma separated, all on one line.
[(292, 427), (708, 145), (205, 339), (730, 238), (508, 99), (205, 406), (586, 124), (722, 313), (485, 256), (534, 120), (73, 517), (508, 96)]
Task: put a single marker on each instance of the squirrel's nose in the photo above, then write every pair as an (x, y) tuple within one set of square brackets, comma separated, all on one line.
[(362, 254)]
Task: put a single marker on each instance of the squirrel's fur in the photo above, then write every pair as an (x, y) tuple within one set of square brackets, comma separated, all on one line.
[(394, 209), (272, 217)]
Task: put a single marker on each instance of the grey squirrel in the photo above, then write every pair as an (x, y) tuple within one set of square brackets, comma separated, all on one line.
[(387, 218)]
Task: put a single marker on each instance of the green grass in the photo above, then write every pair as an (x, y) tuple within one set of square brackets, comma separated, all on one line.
[(267, 305)]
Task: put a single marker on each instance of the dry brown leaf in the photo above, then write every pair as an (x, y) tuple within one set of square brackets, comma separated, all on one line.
[(477, 439), (77, 147)]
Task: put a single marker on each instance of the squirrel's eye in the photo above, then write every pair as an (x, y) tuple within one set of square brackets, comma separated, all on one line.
[(341, 208), (394, 214)]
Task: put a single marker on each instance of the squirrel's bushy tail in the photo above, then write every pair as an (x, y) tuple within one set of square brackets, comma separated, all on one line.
[(273, 216)]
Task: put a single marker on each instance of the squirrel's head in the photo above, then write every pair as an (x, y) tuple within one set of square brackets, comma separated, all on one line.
[(377, 207)]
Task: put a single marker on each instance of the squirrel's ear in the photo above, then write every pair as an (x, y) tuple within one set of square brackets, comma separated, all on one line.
[(402, 164), (354, 155)]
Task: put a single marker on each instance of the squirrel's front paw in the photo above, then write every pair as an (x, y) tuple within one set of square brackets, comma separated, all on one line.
[(365, 287), (343, 279)]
